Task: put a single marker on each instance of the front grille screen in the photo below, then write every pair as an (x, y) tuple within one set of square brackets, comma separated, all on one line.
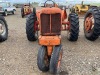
[(50, 24)]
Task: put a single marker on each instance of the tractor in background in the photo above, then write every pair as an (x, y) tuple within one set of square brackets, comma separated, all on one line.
[(26, 10), (50, 21), (80, 9)]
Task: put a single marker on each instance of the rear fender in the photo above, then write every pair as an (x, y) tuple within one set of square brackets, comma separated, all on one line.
[(64, 15)]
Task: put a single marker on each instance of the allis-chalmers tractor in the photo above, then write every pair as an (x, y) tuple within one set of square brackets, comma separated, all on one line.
[(92, 24), (26, 10), (50, 21)]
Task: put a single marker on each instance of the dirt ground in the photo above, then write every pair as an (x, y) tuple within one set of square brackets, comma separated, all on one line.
[(18, 56)]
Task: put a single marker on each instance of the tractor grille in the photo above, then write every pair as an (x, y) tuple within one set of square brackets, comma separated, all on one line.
[(45, 23), (56, 23), (50, 26)]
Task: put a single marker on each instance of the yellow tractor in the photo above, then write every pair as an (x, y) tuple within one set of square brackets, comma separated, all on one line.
[(26, 10), (80, 8)]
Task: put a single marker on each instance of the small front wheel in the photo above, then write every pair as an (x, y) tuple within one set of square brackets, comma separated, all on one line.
[(55, 60), (42, 59)]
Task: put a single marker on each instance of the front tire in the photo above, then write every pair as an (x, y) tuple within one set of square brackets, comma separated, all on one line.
[(42, 59), (73, 31), (3, 29), (55, 61)]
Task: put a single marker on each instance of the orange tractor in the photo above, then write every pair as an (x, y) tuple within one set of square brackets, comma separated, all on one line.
[(26, 10), (92, 24), (50, 21)]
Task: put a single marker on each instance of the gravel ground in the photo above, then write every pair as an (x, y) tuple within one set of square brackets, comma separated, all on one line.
[(18, 56)]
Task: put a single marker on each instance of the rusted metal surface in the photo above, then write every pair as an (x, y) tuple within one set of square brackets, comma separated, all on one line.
[(56, 23), (52, 10), (89, 23), (50, 24), (45, 23)]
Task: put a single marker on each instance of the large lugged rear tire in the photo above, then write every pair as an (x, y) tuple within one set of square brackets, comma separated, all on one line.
[(55, 61), (3, 29), (32, 35), (93, 33), (22, 12), (73, 31), (42, 59)]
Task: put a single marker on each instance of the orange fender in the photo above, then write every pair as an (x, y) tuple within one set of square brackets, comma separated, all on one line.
[(64, 15)]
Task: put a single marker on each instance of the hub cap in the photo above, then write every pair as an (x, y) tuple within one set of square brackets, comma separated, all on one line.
[(89, 23), (59, 61), (2, 28)]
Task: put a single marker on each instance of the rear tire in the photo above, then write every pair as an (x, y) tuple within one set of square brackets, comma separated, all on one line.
[(32, 35), (42, 63), (4, 34), (22, 12), (54, 67), (95, 32), (34, 10), (73, 31)]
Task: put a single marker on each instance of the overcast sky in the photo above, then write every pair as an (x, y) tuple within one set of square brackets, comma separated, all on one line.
[(55, 0)]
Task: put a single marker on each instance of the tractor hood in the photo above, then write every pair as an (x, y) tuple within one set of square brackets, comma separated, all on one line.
[(48, 10), (52, 10)]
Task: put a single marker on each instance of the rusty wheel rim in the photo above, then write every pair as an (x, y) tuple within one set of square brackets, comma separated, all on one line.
[(89, 23), (59, 61), (46, 60)]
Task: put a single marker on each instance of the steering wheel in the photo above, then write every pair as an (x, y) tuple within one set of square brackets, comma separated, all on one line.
[(49, 3)]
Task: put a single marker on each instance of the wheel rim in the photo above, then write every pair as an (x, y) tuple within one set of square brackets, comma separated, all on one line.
[(2, 28), (36, 34), (89, 23), (59, 60), (46, 60)]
